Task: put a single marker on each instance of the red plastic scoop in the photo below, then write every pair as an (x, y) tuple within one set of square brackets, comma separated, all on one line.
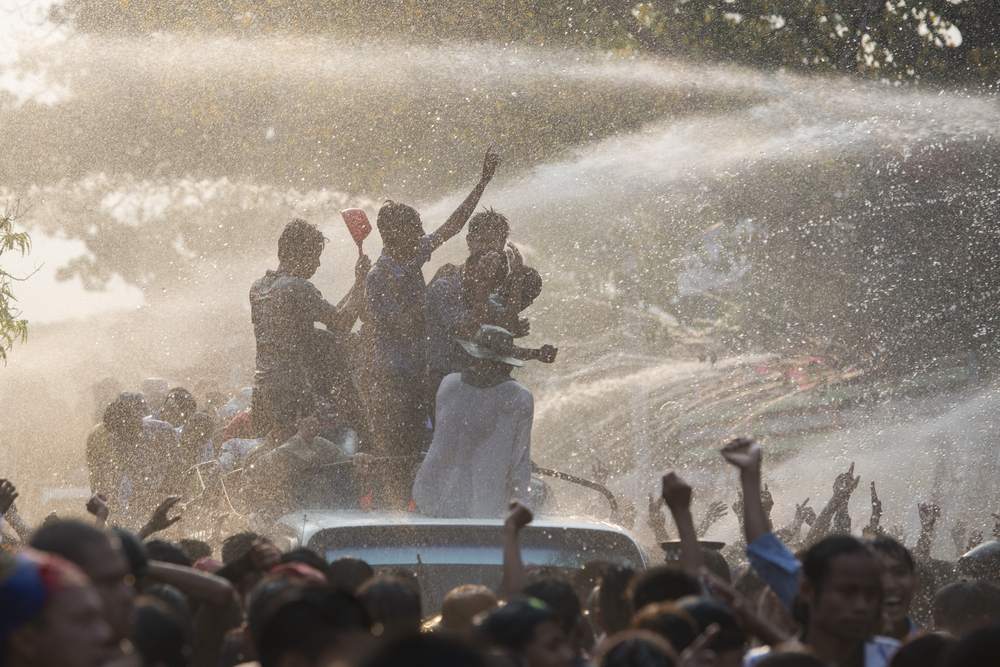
[(357, 224)]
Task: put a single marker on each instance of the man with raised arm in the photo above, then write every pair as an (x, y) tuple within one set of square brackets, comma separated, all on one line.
[(839, 581), (395, 337), (284, 307)]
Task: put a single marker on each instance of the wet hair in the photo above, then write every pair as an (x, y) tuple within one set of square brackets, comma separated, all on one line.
[(393, 220), (669, 621), (818, 560), (427, 650), (513, 625), (891, 547), (137, 401), (306, 556), (159, 636), (135, 554), (664, 583), (503, 268), (196, 549), (178, 604), (265, 598), (613, 599), (531, 286), (960, 604), (637, 648), (489, 222), (979, 649), (178, 406), (561, 597), (392, 603), (69, 539), (236, 546), (299, 240), (168, 552), (309, 624), (347, 573), (121, 418), (925, 651), (706, 611)]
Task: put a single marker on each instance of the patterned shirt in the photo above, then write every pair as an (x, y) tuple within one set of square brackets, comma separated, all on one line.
[(391, 289), (444, 309)]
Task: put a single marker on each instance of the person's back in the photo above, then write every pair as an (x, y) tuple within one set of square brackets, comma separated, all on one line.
[(283, 309), (480, 455)]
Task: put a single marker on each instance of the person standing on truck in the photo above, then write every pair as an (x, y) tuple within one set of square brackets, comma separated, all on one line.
[(480, 457), (284, 307)]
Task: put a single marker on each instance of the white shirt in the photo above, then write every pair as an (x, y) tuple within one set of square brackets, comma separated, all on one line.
[(480, 457)]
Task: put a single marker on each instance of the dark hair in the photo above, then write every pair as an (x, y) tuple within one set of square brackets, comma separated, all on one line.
[(265, 599), (706, 611), (716, 564), (347, 573), (135, 554), (561, 597), (668, 621), (68, 539), (393, 219), (792, 655), (613, 599), (638, 648), (309, 624), (137, 402), (489, 222), (179, 606), (306, 556), (393, 603), (196, 549), (236, 546), (501, 271), (891, 547), (819, 558), (167, 552), (979, 649), (121, 418), (178, 406), (299, 239), (427, 650), (512, 626), (664, 583), (925, 651), (960, 604), (158, 636), (531, 286)]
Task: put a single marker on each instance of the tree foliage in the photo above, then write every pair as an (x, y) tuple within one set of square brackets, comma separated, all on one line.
[(898, 40), (12, 326)]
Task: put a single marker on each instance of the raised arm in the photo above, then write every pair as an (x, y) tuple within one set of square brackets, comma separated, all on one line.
[(453, 225), (745, 454), (843, 487), (343, 316), (514, 574), (159, 520), (677, 496), (929, 514)]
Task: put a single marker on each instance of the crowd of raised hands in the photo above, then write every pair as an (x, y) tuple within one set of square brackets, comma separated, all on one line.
[(786, 596)]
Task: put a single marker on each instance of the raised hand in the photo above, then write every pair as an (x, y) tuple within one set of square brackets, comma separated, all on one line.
[(676, 492), (159, 519), (8, 494), (716, 510), (98, 506), (929, 514), (846, 482), (490, 164), (547, 353), (958, 536), (767, 500), (600, 471), (744, 453), (362, 267), (514, 257), (518, 515), (804, 514)]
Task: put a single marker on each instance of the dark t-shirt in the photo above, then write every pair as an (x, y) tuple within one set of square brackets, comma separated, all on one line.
[(283, 309)]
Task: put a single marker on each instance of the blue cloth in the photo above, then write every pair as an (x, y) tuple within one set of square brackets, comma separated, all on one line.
[(777, 566), (444, 309), (391, 289)]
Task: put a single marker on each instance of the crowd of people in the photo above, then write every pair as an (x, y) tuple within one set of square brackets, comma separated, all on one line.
[(419, 411), (77, 594)]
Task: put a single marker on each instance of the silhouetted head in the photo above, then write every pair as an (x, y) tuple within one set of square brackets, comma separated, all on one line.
[(178, 407), (299, 248), (400, 227), (665, 583), (122, 420), (488, 230), (962, 606)]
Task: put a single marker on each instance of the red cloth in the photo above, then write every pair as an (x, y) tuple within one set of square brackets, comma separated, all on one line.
[(240, 427)]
